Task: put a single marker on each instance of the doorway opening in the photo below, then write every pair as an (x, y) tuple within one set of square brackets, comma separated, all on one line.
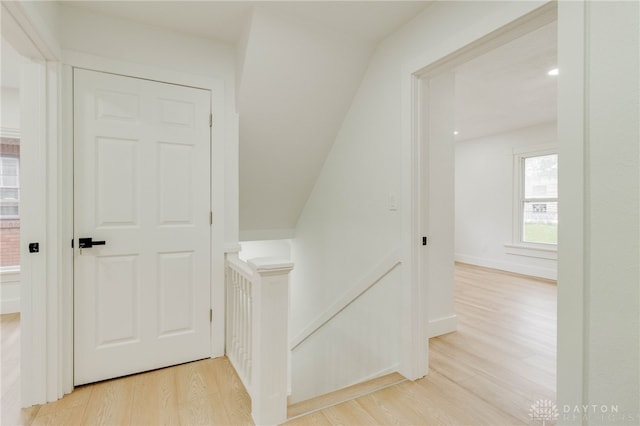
[(10, 179), (506, 156), (439, 125), (22, 193)]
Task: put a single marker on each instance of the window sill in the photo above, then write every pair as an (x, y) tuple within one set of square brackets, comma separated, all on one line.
[(9, 274), (540, 252)]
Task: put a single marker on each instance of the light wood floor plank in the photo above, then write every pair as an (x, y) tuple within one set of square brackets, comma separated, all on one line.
[(110, 403), (155, 398), (190, 382), (72, 416), (346, 394), (66, 411), (499, 362), (313, 419), (234, 397), (208, 408), (397, 406), (348, 413), (205, 411), (468, 407)]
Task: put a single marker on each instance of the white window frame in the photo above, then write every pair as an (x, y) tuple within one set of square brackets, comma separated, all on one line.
[(518, 246), (17, 187)]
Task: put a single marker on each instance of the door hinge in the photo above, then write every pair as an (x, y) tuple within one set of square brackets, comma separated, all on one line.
[(72, 243), (210, 120), (425, 241), (210, 315), (210, 218)]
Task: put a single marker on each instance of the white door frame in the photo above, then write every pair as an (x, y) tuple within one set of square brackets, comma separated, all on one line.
[(74, 59), (571, 148), (42, 373)]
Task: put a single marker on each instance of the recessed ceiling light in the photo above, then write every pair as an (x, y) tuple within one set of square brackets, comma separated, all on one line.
[(553, 72), (456, 133)]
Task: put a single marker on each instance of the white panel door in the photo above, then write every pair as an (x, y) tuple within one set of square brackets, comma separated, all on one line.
[(142, 185)]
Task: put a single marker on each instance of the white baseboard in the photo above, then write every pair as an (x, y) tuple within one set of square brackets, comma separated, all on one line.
[(440, 326), (392, 369), (533, 271)]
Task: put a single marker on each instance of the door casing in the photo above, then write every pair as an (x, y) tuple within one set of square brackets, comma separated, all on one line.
[(416, 205)]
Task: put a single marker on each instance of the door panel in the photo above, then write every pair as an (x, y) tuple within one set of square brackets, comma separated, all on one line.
[(176, 293), (175, 195), (117, 188), (117, 300), (142, 185)]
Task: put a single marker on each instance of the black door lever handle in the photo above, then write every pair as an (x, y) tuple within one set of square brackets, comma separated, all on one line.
[(88, 243)]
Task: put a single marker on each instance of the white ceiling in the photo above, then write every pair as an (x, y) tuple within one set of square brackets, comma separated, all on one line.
[(224, 20), (508, 88)]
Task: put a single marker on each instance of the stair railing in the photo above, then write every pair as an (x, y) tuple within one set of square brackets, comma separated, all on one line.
[(257, 322)]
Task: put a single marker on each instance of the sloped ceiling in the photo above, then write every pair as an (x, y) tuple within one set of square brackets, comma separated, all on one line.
[(299, 66), (302, 63), (297, 83), (224, 20)]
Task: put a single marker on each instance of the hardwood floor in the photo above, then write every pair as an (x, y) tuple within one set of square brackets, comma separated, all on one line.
[(490, 372)]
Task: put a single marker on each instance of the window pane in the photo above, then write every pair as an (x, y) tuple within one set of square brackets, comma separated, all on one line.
[(540, 222), (541, 176), (9, 171), (9, 194), (9, 210)]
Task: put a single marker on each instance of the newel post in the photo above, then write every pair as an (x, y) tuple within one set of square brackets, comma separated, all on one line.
[(270, 340)]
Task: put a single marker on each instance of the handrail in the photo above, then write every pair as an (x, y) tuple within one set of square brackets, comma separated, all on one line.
[(374, 276), (240, 266)]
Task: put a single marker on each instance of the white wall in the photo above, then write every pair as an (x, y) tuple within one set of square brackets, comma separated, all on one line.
[(348, 225), (132, 42), (484, 200), (122, 40), (612, 284), (10, 115), (265, 248), (340, 353)]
